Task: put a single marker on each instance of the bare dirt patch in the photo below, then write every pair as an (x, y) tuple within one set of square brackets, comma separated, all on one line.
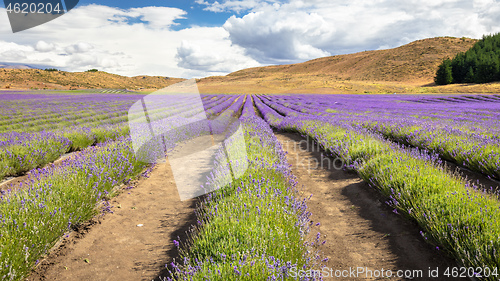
[(361, 230), (132, 243)]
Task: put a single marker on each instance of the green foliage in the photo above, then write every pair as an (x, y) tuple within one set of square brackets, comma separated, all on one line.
[(469, 77), (92, 70), (480, 64), (51, 69), (458, 218), (444, 73), (35, 218), (251, 222), (461, 148), (20, 157), (38, 149)]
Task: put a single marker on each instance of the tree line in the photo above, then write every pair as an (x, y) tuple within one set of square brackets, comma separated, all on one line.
[(480, 64)]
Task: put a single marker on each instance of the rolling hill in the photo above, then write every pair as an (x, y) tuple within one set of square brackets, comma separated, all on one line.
[(406, 69), (62, 80), (401, 69), (15, 66)]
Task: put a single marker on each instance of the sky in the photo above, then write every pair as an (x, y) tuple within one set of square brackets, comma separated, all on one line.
[(199, 38)]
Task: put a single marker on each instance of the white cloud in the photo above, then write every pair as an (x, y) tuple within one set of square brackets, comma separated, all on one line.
[(79, 56), (200, 55), (129, 42), (296, 30), (237, 6), (43, 46), (15, 51), (158, 17), (80, 47), (280, 37)]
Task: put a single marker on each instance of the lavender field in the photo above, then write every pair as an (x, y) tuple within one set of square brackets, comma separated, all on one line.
[(257, 227)]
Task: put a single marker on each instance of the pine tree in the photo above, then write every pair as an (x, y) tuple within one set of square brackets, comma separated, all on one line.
[(458, 68), (480, 64), (487, 70), (469, 78), (444, 74)]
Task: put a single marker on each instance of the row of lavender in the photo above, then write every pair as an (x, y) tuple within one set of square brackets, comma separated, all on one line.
[(256, 228), (461, 129), (42, 112), (38, 129), (453, 214), (54, 199)]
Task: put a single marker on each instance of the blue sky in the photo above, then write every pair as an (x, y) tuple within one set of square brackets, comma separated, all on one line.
[(196, 15), (199, 38)]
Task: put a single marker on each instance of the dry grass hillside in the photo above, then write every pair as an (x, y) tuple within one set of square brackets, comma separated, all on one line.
[(42, 79), (406, 69), (409, 68), (414, 62)]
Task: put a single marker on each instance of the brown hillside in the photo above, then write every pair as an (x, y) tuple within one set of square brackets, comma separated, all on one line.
[(42, 79), (389, 70), (406, 69)]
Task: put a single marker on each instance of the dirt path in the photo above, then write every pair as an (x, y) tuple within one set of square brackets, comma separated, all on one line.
[(361, 231), (133, 243)]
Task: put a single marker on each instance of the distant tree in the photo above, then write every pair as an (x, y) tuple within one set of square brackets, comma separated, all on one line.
[(51, 69), (469, 77), (458, 68), (92, 70), (487, 71), (480, 64), (444, 73)]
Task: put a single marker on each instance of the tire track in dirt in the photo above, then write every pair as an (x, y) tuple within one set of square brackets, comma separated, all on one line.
[(361, 230), (132, 243)]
